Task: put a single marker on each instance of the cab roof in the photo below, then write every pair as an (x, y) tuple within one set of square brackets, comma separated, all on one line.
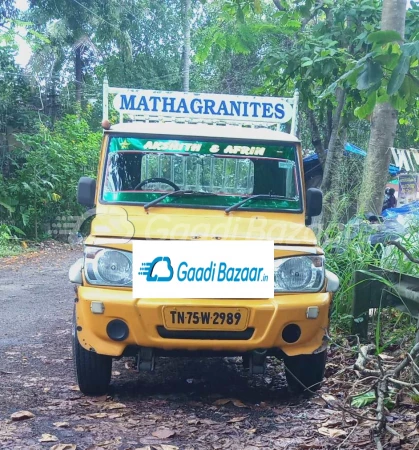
[(203, 130)]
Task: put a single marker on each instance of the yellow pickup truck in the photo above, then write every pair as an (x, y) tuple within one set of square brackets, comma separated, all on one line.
[(200, 243)]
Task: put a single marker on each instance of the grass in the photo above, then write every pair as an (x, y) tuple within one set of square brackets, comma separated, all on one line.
[(348, 250), (10, 250)]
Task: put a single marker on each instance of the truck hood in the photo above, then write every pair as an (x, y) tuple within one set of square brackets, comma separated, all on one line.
[(132, 223)]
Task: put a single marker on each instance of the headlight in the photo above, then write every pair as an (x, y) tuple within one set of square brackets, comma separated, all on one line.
[(107, 267), (299, 274)]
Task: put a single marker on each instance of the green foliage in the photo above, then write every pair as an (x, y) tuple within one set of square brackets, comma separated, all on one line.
[(50, 165), (398, 75), (15, 92), (365, 399), (9, 235), (384, 37), (345, 253), (370, 75), (359, 401), (389, 70), (235, 30), (9, 232)]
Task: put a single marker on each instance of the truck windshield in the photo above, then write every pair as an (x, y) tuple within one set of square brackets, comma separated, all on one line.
[(140, 170)]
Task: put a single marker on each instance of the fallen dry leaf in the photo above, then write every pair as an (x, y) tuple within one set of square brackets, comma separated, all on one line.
[(333, 422), (61, 425), (74, 388), (111, 406), (387, 357), (163, 433), (313, 444), (224, 401), (208, 422), (329, 398), (22, 415), (115, 373), (331, 432), (102, 398), (64, 447), (48, 438), (237, 419), (98, 415), (318, 401), (238, 403)]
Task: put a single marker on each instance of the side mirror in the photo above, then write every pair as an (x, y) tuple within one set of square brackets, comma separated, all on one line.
[(314, 202), (86, 191)]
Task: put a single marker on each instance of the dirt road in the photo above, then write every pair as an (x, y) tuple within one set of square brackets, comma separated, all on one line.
[(185, 404)]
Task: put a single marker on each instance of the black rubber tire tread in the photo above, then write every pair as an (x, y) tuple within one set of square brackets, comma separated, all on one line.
[(93, 371), (308, 369)]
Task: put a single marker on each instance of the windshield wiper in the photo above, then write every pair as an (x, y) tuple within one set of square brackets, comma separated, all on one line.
[(175, 193), (265, 196)]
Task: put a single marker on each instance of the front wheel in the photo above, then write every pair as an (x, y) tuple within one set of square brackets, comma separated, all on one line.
[(93, 371), (305, 373)]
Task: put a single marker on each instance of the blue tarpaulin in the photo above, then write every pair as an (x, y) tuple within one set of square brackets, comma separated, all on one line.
[(350, 148), (410, 208)]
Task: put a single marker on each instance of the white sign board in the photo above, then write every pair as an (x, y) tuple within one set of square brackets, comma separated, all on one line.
[(203, 106), (407, 159), (207, 269)]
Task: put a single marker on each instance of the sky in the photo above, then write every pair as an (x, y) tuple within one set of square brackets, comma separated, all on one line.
[(25, 52)]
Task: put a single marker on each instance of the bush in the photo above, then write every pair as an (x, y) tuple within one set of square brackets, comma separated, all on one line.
[(48, 166)]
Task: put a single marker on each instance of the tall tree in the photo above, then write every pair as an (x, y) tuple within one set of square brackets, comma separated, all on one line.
[(383, 125), (186, 4)]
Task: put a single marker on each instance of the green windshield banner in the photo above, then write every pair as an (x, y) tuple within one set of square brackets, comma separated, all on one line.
[(118, 144)]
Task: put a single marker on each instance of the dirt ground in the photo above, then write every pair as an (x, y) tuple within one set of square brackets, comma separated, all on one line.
[(185, 404)]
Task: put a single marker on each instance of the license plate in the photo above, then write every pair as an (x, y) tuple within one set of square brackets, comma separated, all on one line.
[(187, 318)]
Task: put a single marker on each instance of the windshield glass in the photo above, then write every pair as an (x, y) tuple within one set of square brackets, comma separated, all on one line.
[(139, 170)]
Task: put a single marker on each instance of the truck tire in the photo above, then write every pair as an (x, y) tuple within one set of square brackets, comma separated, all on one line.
[(308, 369), (93, 371)]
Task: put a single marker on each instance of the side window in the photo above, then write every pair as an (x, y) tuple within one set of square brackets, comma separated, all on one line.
[(122, 171)]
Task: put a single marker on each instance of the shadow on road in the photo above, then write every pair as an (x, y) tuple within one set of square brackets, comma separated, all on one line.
[(198, 379)]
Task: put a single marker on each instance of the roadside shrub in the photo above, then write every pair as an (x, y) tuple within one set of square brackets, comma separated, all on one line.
[(346, 251), (48, 167)]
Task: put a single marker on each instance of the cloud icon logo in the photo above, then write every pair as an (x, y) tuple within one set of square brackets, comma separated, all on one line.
[(160, 269)]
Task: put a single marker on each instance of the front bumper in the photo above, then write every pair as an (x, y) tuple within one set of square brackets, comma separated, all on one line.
[(144, 318)]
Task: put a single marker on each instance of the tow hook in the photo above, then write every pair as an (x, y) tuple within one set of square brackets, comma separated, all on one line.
[(257, 362), (145, 360)]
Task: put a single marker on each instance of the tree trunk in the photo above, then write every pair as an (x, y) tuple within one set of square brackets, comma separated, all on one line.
[(5, 154), (383, 127), (375, 176), (316, 139), (186, 43), (278, 5), (334, 157), (333, 148), (79, 75)]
